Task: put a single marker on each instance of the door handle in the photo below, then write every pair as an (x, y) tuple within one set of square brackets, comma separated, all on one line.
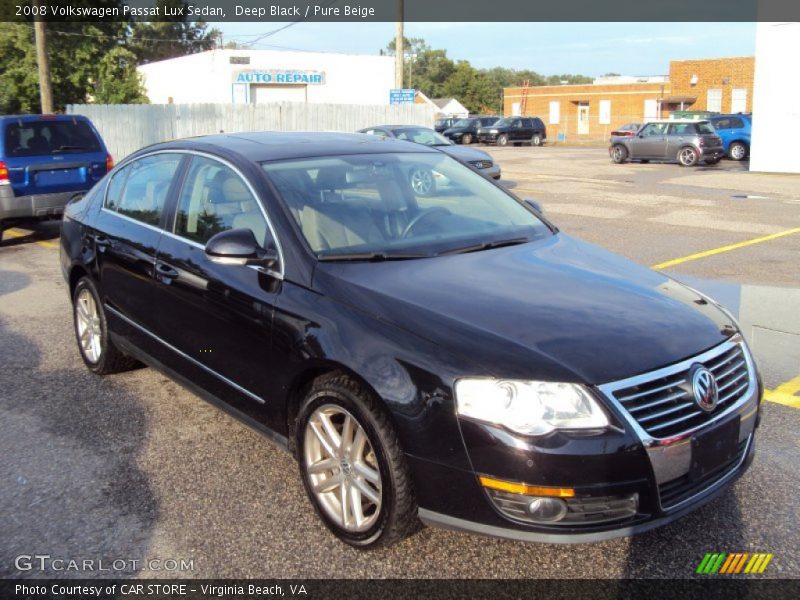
[(165, 273), (102, 242)]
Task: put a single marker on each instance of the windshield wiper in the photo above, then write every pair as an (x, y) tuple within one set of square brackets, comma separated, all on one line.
[(371, 256), (486, 246), (62, 148)]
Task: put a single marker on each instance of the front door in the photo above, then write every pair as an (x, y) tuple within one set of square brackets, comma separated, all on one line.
[(650, 142), (218, 316), (583, 118)]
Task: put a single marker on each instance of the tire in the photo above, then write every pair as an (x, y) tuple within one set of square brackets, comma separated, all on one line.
[(502, 140), (389, 510), (737, 151), (97, 350), (422, 182), (466, 139), (687, 156), (619, 154), (536, 140)]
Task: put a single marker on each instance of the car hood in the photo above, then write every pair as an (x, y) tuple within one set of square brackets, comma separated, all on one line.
[(464, 153), (558, 309), (451, 130)]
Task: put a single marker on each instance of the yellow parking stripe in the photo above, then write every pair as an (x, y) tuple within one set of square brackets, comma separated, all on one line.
[(787, 393), (728, 248), (16, 233)]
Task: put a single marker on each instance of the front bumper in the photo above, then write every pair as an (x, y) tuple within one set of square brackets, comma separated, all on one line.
[(487, 138), (655, 480), (33, 206)]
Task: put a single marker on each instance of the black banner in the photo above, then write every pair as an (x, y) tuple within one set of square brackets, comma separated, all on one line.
[(413, 10), (710, 588)]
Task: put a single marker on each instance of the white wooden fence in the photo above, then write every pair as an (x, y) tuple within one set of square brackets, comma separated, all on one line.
[(128, 127)]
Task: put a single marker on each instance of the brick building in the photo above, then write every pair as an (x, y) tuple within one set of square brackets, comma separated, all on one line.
[(592, 111)]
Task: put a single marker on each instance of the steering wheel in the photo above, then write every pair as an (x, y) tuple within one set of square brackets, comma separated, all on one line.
[(422, 215)]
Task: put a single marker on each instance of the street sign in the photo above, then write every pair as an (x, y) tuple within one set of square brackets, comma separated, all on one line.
[(402, 96)]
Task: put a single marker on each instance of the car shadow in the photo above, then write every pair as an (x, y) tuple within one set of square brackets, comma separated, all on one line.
[(70, 486), (676, 550), (33, 232)]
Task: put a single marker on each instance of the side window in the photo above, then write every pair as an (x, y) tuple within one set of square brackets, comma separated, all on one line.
[(139, 190), (214, 198), (527, 123), (654, 129), (682, 129), (722, 124), (517, 124), (736, 123)]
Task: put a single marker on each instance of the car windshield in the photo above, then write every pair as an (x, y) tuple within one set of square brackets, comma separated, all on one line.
[(421, 135), (503, 122), (35, 138), (397, 206), (705, 128), (440, 122), (463, 122)]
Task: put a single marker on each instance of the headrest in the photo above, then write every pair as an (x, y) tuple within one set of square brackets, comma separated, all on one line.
[(331, 178), (234, 190)]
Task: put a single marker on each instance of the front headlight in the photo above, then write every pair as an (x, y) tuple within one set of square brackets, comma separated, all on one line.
[(529, 407), (493, 131)]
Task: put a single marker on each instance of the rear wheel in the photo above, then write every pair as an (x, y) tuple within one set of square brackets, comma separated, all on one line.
[(687, 156), (467, 138), (352, 465), (537, 140), (619, 154), (91, 331), (502, 139), (737, 151)]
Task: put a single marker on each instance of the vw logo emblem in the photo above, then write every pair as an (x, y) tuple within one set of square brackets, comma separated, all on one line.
[(704, 388)]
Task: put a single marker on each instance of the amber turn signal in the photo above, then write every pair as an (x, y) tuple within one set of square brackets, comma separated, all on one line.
[(527, 490)]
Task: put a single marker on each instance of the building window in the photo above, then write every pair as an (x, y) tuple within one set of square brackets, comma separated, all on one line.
[(714, 101), (555, 112), (739, 100), (650, 109), (605, 112), (239, 60)]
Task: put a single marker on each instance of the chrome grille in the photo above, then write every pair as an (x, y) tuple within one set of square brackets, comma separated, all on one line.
[(481, 164), (664, 406)]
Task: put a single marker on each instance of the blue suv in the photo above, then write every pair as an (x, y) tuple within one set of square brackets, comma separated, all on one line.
[(735, 133), (45, 161)]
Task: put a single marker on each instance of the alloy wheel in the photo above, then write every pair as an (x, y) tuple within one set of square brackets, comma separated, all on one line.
[(422, 182), (87, 319), (738, 151), (687, 157), (342, 468)]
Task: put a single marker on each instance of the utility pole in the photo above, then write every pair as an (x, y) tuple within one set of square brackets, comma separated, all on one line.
[(399, 48), (45, 87)]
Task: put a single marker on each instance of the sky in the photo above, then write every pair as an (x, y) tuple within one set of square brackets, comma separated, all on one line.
[(549, 48)]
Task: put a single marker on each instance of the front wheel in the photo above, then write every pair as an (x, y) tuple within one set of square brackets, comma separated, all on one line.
[(737, 151), (502, 139), (687, 156), (352, 465), (467, 138), (97, 350)]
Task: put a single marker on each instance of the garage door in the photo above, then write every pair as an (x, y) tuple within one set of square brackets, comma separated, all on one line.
[(259, 94)]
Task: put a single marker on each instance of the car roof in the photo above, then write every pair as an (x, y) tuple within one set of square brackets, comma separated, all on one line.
[(29, 118), (677, 121), (277, 145)]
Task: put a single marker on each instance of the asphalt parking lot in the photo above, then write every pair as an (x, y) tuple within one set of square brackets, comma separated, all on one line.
[(134, 467)]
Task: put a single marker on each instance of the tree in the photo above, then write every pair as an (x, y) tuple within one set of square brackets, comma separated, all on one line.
[(154, 41), (118, 82)]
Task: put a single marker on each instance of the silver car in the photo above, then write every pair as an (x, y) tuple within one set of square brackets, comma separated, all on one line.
[(688, 142)]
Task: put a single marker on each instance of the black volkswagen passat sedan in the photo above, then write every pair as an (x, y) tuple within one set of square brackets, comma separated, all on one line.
[(451, 358)]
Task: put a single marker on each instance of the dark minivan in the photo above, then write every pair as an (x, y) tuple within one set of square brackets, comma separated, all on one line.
[(514, 130), (45, 160), (452, 359), (465, 131)]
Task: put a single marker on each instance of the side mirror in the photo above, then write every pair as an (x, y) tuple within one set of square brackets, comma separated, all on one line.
[(239, 247), (537, 208)]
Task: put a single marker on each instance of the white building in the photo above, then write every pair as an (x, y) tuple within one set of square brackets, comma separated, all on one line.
[(776, 89), (257, 76)]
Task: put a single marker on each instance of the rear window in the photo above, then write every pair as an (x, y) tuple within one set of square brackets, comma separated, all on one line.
[(705, 128), (35, 138)]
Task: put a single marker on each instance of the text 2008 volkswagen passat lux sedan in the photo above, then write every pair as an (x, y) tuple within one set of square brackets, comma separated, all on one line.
[(450, 358)]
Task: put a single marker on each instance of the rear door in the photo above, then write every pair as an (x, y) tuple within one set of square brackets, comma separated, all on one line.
[(52, 155), (527, 129), (679, 135), (217, 316), (126, 233)]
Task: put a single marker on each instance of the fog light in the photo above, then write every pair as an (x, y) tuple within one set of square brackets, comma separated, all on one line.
[(547, 509)]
